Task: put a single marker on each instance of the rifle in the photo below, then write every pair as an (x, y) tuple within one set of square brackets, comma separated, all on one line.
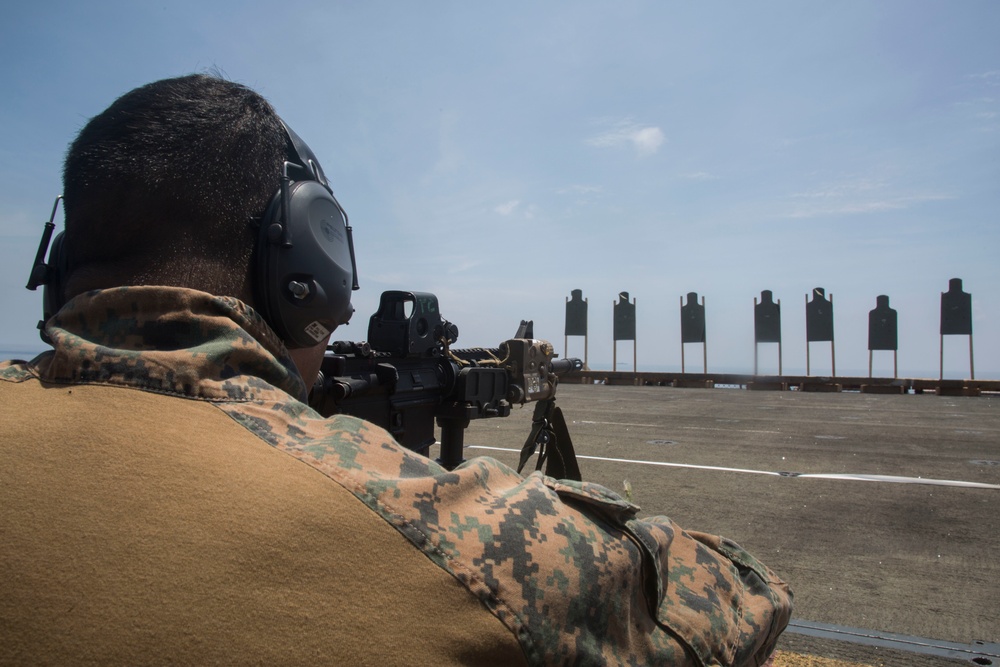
[(406, 376)]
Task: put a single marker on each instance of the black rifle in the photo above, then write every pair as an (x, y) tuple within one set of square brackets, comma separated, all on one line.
[(406, 376)]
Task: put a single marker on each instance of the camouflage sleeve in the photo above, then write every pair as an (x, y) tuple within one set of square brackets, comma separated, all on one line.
[(729, 606), (706, 594)]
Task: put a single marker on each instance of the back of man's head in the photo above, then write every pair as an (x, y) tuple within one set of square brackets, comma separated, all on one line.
[(163, 186)]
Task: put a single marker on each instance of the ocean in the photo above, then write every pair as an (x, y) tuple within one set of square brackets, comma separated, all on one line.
[(18, 352)]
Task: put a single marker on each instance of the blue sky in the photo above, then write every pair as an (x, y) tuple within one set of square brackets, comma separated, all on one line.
[(501, 155)]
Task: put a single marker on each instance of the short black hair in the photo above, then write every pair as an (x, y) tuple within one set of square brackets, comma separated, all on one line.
[(163, 186)]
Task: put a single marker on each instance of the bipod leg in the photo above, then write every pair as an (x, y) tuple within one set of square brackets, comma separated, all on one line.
[(550, 437), (539, 436)]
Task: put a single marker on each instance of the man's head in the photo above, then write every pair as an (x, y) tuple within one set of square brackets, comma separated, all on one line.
[(182, 182), (161, 187)]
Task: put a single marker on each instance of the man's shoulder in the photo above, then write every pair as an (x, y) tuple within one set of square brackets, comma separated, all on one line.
[(547, 555)]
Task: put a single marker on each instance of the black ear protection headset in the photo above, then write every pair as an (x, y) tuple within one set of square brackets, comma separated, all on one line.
[(304, 268)]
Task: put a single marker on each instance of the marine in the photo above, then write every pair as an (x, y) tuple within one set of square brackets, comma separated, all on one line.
[(169, 495)]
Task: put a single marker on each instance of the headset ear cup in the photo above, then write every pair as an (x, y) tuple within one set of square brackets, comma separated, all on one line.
[(304, 269)]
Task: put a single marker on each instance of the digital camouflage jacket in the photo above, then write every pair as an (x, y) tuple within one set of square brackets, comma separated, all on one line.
[(567, 567)]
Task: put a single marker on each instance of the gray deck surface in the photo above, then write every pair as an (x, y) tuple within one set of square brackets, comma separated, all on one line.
[(907, 558)]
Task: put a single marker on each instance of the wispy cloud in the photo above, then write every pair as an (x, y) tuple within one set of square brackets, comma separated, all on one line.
[(983, 109), (991, 78), (515, 208), (855, 197), (507, 208), (698, 176), (841, 190), (645, 139), (580, 190), (463, 266), (851, 208)]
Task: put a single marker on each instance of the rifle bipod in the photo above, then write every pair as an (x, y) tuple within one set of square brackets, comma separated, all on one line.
[(550, 438)]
